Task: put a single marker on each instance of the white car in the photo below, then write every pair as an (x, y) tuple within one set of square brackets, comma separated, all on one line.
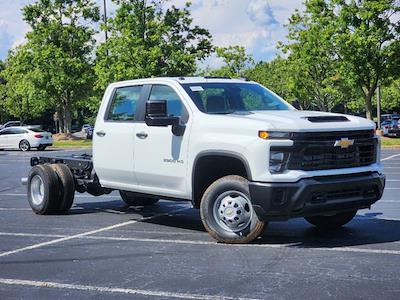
[(24, 138)]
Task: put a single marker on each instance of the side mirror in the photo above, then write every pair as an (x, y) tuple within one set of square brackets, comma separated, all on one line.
[(156, 114)]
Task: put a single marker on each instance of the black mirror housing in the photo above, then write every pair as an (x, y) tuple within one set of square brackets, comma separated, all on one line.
[(156, 114)]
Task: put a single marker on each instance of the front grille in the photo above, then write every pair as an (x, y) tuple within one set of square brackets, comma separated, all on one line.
[(316, 151)]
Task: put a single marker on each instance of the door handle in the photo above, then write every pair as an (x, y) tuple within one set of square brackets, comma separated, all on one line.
[(100, 133), (142, 135)]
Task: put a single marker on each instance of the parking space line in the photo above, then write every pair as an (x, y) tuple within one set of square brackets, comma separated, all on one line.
[(76, 196), (390, 157), (292, 246), (14, 208), (67, 238), (102, 289)]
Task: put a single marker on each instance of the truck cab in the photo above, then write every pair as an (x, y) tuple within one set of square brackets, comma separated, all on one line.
[(236, 150)]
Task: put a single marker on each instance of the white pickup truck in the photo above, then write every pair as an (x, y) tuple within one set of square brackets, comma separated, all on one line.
[(232, 147)]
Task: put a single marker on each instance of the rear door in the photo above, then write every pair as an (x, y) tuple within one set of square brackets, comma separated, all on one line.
[(160, 156), (114, 137)]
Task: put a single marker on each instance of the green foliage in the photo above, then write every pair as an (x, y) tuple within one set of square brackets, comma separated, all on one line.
[(275, 75), (61, 45), (20, 97), (235, 59), (390, 96), (146, 40), (2, 91)]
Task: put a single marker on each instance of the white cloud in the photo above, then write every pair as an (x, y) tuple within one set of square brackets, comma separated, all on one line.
[(255, 24), (261, 13)]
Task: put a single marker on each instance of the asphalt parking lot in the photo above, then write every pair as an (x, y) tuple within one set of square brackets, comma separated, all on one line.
[(103, 250)]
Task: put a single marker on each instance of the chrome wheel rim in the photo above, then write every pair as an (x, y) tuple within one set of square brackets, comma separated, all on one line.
[(233, 211), (24, 146), (37, 190)]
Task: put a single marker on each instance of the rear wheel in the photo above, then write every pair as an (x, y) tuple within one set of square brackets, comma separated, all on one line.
[(24, 145), (67, 187), (43, 190), (41, 148), (133, 200), (331, 222), (227, 213)]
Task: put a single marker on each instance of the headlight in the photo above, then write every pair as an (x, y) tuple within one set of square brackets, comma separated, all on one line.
[(276, 161), (274, 134)]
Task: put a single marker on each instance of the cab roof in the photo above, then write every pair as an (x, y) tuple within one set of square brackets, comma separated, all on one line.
[(191, 80)]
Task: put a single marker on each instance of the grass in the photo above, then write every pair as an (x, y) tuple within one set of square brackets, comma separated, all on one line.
[(72, 144), (390, 142), (386, 142)]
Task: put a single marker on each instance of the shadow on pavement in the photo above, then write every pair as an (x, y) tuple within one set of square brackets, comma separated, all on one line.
[(365, 229)]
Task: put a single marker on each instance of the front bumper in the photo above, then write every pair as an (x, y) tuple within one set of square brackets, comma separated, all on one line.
[(315, 196)]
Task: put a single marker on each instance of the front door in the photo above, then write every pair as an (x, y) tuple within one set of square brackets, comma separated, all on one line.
[(5, 139), (160, 156), (114, 137)]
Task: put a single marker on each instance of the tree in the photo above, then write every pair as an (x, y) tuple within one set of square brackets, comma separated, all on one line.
[(61, 43), (391, 97), (147, 40), (235, 59), (2, 90), (312, 62), (275, 75), (360, 40), (20, 97), (368, 42)]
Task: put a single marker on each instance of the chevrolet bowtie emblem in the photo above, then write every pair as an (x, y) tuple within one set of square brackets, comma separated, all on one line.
[(344, 143)]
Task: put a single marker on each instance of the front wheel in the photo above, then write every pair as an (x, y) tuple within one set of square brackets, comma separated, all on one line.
[(227, 213), (331, 222), (133, 200)]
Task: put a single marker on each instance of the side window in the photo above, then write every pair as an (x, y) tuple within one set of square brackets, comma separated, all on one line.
[(19, 131), (124, 102), (174, 103), (7, 131)]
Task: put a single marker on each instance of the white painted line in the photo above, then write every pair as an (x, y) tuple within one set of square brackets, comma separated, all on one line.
[(31, 234), (389, 180), (291, 246), (76, 196), (13, 208), (390, 157), (102, 289), (67, 238), (386, 188)]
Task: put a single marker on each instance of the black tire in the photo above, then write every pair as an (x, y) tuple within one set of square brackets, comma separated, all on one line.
[(67, 187), (230, 187), (331, 222), (133, 200), (48, 201), (24, 145), (41, 148)]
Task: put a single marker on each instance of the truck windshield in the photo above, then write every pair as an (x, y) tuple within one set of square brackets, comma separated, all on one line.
[(225, 98)]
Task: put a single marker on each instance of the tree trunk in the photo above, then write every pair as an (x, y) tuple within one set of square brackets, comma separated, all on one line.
[(61, 122), (368, 105), (67, 120)]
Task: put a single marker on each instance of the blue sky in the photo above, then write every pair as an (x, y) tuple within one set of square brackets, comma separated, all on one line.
[(256, 24)]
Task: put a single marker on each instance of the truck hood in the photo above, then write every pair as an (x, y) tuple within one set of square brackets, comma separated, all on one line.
[(296, 120)]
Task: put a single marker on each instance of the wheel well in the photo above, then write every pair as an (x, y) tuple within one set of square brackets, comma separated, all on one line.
[(209, 168)]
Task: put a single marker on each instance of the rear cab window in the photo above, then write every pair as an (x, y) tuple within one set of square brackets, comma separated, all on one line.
[(123, 104)]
